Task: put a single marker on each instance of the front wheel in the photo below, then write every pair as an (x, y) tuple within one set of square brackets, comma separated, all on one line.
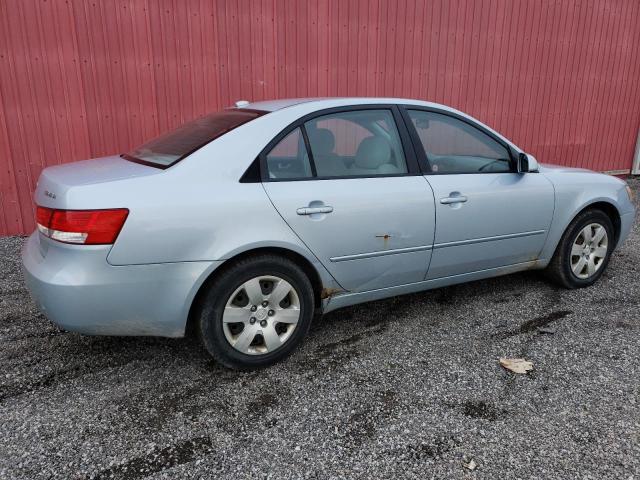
[(256, 312), (584, 250)]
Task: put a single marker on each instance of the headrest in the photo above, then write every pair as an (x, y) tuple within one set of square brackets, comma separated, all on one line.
[(322, 141), (373, 152)]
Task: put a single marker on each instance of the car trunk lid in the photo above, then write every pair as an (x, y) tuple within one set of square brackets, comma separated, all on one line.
[(56, 182)]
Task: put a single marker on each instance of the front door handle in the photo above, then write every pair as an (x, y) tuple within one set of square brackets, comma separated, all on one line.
[(312, 210), (453, 199)]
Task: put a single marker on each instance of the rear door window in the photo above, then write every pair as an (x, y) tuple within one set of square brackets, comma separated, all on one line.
[(288, 159), (359, 143)]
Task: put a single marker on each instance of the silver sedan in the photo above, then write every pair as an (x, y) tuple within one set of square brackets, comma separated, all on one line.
[(243, 224)]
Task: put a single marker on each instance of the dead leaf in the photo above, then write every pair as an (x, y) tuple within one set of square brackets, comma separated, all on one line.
[(516, 365), (471, 465)]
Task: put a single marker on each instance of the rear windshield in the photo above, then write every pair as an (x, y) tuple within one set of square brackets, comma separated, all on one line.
[(175, 145)]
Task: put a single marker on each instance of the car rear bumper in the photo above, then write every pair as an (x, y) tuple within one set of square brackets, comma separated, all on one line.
[(79, 290)]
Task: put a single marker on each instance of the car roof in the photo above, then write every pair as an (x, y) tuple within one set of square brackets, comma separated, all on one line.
[(279, 104)]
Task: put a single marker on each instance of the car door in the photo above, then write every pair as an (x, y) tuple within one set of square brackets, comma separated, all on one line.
[(347, 182), (487, 214)]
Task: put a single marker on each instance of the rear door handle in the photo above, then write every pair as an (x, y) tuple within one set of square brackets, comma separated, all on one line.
[(456, 199), (312, 210)]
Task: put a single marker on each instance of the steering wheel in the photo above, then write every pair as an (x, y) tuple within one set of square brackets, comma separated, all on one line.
[(487, 165)]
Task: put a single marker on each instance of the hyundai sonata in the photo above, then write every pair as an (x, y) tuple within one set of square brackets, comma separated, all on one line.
[(243, 224)]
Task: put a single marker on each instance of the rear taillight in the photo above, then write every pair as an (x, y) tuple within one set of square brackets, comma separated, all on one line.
[(87, 227)]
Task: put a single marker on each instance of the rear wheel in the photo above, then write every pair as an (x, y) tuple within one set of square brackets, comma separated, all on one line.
[(584, 250), (256, 312)]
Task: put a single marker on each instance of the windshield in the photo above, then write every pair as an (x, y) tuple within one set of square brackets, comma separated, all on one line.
[(177, 144)]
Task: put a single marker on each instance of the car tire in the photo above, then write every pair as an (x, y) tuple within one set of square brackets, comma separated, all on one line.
[(227, 340), (565, 263)]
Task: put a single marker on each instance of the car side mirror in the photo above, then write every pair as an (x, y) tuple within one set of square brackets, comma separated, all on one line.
[(523, 163)]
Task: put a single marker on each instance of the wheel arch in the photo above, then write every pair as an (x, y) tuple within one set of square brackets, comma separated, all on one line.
[(303, 262), (609, 209), (566, 215)]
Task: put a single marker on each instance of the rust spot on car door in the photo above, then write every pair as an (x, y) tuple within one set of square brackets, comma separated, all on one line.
[(329, 292), (385, 237)]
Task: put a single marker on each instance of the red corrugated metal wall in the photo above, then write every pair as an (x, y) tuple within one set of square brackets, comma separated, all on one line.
[(82, 78)]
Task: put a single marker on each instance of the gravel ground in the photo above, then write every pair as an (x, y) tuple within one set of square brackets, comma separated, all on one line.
[(408, 387)]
